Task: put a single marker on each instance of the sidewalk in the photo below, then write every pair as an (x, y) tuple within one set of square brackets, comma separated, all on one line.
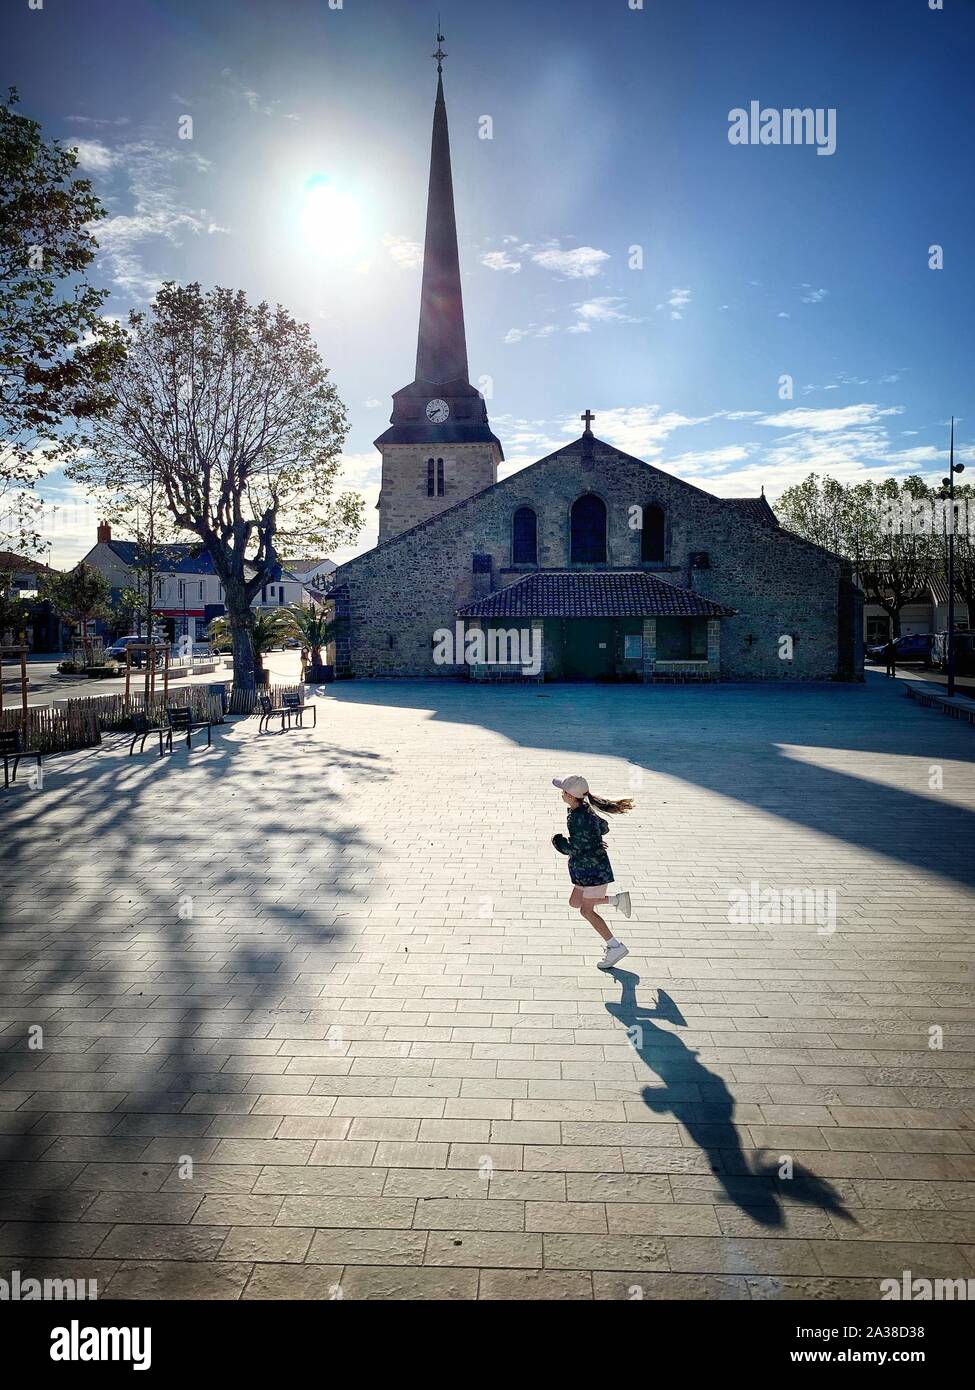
[(336, 970)]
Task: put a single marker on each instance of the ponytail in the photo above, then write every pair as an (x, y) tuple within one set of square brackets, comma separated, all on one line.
[(614, 808)]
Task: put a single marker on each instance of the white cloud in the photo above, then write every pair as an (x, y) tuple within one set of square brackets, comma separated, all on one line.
[(408, 255), (830, 420), (534, 330), (706, 461), (579, 263), (94, 157), (95, 120), (603, 309), (500, 260), (813, 296), (639, 430), (361, 473), (259, 104), (372, 403), (157, 212)]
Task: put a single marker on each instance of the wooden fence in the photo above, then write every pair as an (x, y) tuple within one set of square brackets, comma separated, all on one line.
[(240, 704), (115, 713), (80, 723), (55, 730)]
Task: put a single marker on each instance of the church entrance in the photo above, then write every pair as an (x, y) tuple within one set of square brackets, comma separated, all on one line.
[(588, 649)]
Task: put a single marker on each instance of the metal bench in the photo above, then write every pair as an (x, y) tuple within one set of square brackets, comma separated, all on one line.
[(142, 729), (269, 710), (12, 746), (181, 721), (294, 704)]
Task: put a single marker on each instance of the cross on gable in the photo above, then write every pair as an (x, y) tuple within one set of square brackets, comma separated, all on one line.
[(588, 417)]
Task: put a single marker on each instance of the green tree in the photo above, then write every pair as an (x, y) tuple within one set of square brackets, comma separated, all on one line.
[(80, 595), (892, 559), (964, 549), (270, 627), (232, 406), (14, 611), (314, 628), (56, 352)]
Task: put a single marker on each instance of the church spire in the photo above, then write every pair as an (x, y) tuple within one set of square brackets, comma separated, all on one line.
[(441, 352)]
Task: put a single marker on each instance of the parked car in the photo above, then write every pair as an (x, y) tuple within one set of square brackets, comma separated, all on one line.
[(911, 646), (290, 644), (116, 652), (964, 652)]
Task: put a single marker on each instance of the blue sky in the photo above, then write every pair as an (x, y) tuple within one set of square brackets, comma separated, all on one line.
[(609, 130)]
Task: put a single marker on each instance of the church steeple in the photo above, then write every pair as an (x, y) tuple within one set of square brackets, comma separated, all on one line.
[(441, 351), (439, 448)]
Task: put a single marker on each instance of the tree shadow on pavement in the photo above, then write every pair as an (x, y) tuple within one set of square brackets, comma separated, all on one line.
[(182, 924)]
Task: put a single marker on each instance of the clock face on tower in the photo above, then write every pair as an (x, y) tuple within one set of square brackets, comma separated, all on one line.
[(437, 411)]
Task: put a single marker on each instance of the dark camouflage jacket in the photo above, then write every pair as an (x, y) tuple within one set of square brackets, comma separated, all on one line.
[(588, 861)]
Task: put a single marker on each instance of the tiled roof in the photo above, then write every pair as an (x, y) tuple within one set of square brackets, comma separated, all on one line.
[(178, 558), (23, 564), (594, 594), (755, 507)]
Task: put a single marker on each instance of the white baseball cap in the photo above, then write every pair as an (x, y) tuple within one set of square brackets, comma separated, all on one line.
[(575, 786)]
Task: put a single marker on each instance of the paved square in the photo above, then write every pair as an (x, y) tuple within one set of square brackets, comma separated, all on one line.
[(316, 1020)]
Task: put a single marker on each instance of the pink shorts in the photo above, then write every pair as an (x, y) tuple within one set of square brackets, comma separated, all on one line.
[(596, 890)]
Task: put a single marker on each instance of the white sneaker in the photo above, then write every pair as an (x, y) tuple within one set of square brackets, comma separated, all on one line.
[(622, 903), (611, 955)]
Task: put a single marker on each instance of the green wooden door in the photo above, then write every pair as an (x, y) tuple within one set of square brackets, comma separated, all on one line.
[(588, 652)]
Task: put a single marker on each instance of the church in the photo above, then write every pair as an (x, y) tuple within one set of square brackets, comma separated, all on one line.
[(589, 564)]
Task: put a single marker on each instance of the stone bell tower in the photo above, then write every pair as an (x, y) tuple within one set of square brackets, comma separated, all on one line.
[(439, 448)]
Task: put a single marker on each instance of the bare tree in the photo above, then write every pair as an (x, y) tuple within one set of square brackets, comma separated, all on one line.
[(229, 406)]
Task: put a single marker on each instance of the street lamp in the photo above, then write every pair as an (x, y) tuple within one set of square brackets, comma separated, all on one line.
[(949, 484)]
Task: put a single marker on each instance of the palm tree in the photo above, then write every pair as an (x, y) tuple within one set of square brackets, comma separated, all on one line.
[(315, 630), (271, 627)]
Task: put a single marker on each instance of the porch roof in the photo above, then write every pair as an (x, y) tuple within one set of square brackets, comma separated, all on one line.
[(594, 594)]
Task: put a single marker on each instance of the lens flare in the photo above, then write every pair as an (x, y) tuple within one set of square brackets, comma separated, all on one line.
[(331, 219)]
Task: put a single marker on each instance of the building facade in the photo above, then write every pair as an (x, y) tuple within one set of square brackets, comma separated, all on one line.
[(187, 594), (588, 564)]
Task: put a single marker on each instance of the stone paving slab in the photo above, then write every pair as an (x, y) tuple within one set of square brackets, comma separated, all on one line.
[(306, 1015)]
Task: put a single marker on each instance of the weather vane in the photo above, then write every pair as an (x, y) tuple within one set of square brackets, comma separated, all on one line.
[(440, 55)]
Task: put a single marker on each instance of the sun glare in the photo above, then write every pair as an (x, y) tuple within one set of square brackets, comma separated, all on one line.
[(331, 219)]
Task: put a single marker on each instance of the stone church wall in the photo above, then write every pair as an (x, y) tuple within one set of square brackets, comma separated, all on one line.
[(468, 468), (401, 592)]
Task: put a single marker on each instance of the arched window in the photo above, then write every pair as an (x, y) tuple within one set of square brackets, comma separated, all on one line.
[(430, 482), (652, 536), (588, 530), (524, 537)]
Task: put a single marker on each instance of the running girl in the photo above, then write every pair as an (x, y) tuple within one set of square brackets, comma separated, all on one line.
[(589, 866)]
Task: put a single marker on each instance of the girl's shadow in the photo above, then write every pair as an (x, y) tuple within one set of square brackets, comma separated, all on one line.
[(709, 1120)]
